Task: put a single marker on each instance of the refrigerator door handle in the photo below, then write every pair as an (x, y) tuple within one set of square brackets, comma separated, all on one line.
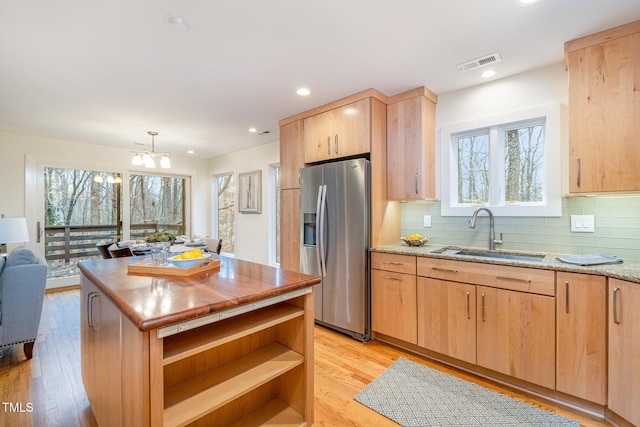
[(321, 245), (318, 242)]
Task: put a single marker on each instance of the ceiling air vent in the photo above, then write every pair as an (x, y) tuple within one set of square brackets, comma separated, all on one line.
[(479, 62)]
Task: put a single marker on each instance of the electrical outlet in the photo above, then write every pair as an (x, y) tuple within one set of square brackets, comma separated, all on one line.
[(582, 223), (427, 220)]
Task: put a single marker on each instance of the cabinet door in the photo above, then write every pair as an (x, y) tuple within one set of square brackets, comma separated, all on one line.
[(516, 334), (318, 136), (447, 318), (291, 154), (581, 336), (341, 132), (290, 229), (624, 350), (411, 149), (604, 118), (87, 339), (352, 129), (393, 305), (101, 365)]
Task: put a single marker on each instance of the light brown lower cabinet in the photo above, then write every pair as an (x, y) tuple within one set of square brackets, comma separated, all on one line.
[(581, 336), (516, 334), (393, 296), (447, 318), (624, 350)]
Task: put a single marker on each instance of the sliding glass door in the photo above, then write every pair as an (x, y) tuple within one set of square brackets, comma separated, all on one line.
[(73, 209)]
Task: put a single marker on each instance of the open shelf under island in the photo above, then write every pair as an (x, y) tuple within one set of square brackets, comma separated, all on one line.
[(228, 347)]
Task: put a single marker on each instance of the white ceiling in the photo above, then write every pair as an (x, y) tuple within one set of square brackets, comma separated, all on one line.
[(107, 71)]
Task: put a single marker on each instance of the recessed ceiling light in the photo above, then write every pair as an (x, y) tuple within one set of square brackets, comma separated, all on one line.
[(190, 151), (177, 23), (253, 130), (525, 2), (488, 73), (303, 91)]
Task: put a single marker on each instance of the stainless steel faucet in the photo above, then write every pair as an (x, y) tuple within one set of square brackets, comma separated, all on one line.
[(492, 233)]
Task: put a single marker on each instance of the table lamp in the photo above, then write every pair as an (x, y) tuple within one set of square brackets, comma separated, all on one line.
[(12, 230)]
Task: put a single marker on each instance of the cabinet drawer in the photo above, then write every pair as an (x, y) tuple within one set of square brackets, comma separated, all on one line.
[(497, 276), (392, 262)]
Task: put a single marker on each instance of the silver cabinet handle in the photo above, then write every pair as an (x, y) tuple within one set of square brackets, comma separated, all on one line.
[(399, 279), (578, 171), (393, 262), (566, 291), (336, 144), (468, 305), (482, 303), (416, 182), (90, 320), (328, 145), (615, 306), (513, 279), (444, 269)]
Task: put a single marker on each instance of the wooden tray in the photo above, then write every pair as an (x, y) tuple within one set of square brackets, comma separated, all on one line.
[(144, 267)]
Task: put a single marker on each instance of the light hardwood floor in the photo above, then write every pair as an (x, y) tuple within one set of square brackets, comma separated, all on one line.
[(52, 384)]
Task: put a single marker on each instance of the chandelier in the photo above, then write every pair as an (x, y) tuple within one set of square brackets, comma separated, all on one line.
[(147, 158)]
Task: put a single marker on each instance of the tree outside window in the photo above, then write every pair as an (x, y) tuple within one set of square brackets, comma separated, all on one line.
[(500, 165), (226, 208)]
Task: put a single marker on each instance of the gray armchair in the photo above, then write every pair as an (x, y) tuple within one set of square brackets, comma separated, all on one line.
[(23, 277)]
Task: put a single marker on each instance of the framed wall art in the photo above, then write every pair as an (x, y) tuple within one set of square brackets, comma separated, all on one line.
[(250, 192)]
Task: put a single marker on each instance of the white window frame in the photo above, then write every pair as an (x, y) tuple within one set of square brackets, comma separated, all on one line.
[(214, 209), (551, 205), (273, 216)]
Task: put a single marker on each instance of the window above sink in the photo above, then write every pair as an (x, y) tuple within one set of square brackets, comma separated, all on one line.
[(509, 163)]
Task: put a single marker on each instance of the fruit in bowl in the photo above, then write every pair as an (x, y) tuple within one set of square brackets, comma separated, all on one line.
[(415, 240), (188, 259)]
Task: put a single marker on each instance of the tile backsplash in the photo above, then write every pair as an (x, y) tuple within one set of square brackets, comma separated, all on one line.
[(617, 227)]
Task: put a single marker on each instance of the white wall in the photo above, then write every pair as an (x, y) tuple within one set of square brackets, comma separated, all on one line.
[(14, 149), (535, 88), (251, 234)]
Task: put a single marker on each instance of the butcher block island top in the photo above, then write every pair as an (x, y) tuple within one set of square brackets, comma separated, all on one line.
[(232, 346)]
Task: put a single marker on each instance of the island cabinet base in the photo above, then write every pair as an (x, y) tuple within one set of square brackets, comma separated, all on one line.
[(246, 369)]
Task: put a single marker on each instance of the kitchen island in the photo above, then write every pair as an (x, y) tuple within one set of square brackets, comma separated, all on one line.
[(232, 346)]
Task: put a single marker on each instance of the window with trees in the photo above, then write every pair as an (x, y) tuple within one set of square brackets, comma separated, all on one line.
[(274, 217), (225, 208), (84, 207), (157, 201), (510, 164)]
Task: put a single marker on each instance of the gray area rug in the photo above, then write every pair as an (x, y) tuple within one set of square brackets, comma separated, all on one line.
[(415, 395)]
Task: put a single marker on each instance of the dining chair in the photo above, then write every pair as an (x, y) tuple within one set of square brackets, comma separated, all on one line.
[(121, 252), (213, 245), (104, 249)]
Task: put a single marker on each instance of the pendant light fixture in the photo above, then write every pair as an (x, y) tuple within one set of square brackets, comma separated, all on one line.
[(147, 158)]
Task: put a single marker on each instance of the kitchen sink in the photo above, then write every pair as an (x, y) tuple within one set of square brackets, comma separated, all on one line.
[(490, 254), (500, 255)]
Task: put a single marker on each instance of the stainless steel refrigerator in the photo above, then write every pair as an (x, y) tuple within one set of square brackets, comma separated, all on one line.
[(334, 205)]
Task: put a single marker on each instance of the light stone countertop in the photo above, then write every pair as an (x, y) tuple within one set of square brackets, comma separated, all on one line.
[(628, 270)]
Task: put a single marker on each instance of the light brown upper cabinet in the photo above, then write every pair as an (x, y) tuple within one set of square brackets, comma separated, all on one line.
[(411, 148), (342, 132), (291, 154), (604, 111)]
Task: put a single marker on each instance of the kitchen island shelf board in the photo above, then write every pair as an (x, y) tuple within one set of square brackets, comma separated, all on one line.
[(198, 340), (251, 354), (196, 397), (233, 312)]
